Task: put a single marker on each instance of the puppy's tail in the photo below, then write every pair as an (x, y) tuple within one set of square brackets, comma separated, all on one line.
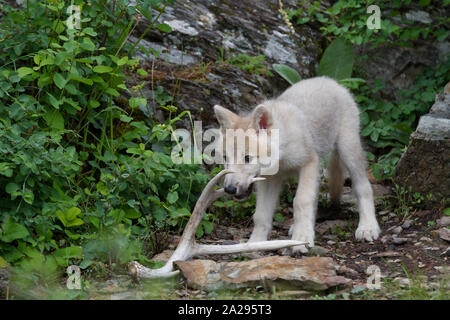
[(335, 177)]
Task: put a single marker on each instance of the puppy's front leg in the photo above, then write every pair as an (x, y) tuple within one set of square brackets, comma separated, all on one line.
[(305, 204), (267, 195)]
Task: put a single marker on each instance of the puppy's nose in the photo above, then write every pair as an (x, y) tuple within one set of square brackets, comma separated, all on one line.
[(230, 189)]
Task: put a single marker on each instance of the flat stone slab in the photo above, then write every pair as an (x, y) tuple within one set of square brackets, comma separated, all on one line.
[(311, 273)]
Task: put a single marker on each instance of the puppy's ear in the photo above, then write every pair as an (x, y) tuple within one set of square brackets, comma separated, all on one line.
[(261, 118), (225, 117)]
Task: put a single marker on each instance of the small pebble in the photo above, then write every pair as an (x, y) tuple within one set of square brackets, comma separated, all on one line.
[(399, 241), (425, 239), (407, 224), (331, 242), (446, 253), (385, 239), (444, 221), (397, 230), (318, 251)]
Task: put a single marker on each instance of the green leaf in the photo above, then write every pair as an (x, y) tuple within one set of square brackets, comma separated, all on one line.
[(54, 119), (94, 103), (75, 222), (24, 71), (13, 231), (53, 101), (337, 60), (164, 27), (69, 218), (122, 61), (11, 187), (135, 102), (112, 92), (125, 118), (131, 213), (199, 233), (82, 80), (90, 32), (28, 196), (3, 263), (5, 169), (102, 69), (207, 226), (59, 80), (287, 73), (72, 213), (87, 44), (142, 72), (172, 197), (447, 211), (69, 252)]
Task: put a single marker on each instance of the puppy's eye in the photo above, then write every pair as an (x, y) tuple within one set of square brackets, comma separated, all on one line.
[(247, 159)]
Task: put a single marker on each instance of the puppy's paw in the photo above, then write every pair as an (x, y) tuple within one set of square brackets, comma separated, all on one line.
[(296, 251), (368, 232)]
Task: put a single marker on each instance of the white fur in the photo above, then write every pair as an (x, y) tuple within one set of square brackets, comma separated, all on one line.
[(315, 117)]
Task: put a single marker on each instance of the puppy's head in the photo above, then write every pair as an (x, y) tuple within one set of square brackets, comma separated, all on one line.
[(243, 140)]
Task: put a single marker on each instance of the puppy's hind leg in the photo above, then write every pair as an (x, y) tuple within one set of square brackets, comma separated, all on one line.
[(351, 153), (335, 177)]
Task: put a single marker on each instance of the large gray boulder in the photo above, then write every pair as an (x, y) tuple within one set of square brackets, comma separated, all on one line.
[(205, 33), (425, 166)]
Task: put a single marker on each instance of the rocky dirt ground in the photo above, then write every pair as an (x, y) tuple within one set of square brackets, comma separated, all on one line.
[(412, 255)]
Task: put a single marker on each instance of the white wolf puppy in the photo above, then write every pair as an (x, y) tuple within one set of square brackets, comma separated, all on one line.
[(314, 118)]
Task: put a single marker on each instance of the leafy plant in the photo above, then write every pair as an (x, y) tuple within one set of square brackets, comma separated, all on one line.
[(348, 19), (77, 160), (251, 64)]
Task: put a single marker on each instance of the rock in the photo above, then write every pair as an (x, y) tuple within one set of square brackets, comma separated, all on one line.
[(205, 35), (403, 282), (397, 230), (419, 16), (383, 213), (407, 224), (444, 234), (398, 66), (331, 242), (327, 225), (399, 241), (318, 251), (346, 271), (311, 273), (446, 253), (295, 293), (4, 280), (163, 256), (379, 190), (424, 166), (387, 254), (443, 221), (425, 239), (127, 295), (424, 213), (385, 238)]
